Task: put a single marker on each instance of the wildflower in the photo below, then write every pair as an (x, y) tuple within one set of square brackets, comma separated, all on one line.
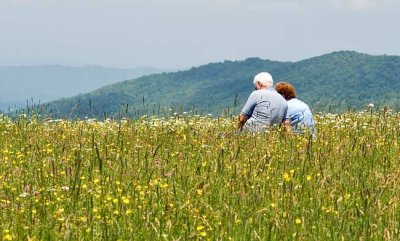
[(8, 237), (298, 221), (60, 211), (308, 178), (286, 177), (164, 185), (200, 227), (125, 200), (203, 234), (65, 188)]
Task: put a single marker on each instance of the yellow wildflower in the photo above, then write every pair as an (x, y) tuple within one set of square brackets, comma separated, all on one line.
[(286, 177), (8, 237), (200, 227)]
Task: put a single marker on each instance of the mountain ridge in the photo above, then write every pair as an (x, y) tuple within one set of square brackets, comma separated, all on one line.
[(332, 82)]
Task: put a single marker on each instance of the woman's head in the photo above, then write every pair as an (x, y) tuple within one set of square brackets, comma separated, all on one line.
[(286, 90)]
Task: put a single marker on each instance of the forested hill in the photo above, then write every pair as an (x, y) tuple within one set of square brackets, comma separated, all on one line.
[(44, 83), (332, 82)]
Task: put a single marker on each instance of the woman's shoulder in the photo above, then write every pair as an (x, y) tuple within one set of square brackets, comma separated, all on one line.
[(296, 105), (296, 102)]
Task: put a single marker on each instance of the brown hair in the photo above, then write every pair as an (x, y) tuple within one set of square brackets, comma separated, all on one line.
[(286, 90)]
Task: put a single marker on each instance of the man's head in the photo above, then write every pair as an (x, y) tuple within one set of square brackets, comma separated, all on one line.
[(263, 80), (286, 90)]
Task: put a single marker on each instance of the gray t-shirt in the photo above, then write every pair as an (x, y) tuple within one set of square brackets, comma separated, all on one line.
[(264, 108)]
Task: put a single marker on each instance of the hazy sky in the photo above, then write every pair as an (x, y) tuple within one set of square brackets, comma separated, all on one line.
[(184, 33)]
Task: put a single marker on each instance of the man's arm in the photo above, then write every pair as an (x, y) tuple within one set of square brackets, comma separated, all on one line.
[(242, 120), (247, 110)]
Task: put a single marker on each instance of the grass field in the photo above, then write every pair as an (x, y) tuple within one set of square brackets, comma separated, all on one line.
[(193, 178)]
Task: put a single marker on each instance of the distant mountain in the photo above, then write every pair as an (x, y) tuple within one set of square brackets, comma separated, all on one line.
[(332, 82), (36, 84)]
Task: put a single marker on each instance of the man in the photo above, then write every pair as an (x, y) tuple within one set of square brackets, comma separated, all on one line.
[(265, 107)]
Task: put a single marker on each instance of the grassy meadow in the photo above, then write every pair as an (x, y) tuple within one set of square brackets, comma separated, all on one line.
[(193, 178)]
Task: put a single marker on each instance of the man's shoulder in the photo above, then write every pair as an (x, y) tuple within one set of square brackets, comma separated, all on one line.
[(270, 95), (278, 96), (271, 92)]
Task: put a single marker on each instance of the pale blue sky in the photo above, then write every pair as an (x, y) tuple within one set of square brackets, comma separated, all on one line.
[(185, 33)]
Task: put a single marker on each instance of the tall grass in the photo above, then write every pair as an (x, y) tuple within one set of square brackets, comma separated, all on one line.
[(194, 178)]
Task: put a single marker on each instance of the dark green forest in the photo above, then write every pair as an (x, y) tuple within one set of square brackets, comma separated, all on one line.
[(335, 82)]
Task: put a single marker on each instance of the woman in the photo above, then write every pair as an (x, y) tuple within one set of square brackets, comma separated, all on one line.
[(299, 113)]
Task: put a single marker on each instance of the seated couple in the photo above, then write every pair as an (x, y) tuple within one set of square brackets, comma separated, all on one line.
[(268, 106)]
